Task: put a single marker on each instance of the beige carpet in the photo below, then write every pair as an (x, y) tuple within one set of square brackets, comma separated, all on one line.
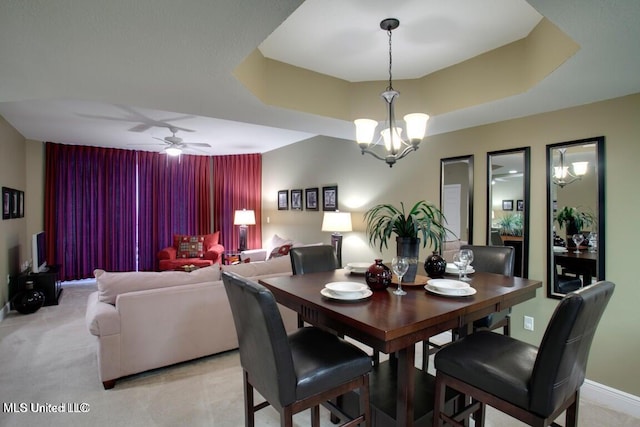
[(48, 358)]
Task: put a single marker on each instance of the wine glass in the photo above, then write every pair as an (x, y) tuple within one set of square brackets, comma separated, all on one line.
[(593, 242), (578, 238), (461, 261), (468, 253), (400, 265)]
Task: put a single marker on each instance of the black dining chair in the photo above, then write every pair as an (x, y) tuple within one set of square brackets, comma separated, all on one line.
[(292, 372), (312, 259), (532, 384), (487, 259)]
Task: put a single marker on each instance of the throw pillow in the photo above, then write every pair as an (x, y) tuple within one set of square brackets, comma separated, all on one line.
[(191, 247), (276, 242), (280, 251)]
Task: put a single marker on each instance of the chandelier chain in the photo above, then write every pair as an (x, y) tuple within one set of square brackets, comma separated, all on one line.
[(390, 61)]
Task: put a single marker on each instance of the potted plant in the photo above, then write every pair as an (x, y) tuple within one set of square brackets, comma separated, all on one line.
[(423, 222), (510, 224), (574, 221)]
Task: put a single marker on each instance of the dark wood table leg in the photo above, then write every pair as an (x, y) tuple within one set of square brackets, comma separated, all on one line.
[(406, 386)]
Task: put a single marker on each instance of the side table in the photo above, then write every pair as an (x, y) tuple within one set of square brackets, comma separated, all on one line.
[(231, 258)]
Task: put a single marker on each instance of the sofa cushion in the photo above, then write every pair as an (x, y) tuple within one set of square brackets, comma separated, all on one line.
[(209, 240), (253, 269), (111, 284)]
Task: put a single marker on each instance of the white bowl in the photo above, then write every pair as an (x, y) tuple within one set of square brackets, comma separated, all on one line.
[(448, 286), (346, 288)]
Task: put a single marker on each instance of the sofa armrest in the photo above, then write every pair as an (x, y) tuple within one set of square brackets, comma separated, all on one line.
[(254, 255), (214, 253), (168, 253), (101, 318)]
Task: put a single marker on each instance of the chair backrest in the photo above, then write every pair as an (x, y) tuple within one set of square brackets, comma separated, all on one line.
[(493, 259), (561, 362), (264, 347), (313, 259), (496, 240)]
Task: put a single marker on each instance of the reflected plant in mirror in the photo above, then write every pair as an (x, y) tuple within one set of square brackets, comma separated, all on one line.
[(575, 215)]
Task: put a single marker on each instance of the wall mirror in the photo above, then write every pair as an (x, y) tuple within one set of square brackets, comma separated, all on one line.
[(456, 197), (575, 215), (508, 203)]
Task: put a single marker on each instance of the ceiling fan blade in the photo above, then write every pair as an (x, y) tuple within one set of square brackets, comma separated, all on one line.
[(162, 140), (196, 144), (140, 128)]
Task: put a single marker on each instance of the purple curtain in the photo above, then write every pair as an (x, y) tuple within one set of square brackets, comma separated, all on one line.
[(90, 215), (174, 198)]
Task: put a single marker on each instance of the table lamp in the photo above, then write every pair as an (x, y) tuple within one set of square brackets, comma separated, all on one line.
[(244, 218), (337, 222)]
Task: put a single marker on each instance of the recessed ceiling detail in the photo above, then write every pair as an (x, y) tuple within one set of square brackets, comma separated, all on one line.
[(499, 73)]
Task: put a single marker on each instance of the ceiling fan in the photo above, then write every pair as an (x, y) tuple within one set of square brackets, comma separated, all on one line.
[(175, 144)]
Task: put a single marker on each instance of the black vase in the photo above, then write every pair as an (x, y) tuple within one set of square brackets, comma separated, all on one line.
[(409, 247), (435, 265), (28, 301), (378, 276)]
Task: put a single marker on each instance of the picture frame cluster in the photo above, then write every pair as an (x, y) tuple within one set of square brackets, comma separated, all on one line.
[(308, 199), (12, 203)]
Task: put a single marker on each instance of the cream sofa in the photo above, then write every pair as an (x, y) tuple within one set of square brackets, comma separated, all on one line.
[(147, 320)]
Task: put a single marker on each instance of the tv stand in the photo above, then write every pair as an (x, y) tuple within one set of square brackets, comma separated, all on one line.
[(48, 282)]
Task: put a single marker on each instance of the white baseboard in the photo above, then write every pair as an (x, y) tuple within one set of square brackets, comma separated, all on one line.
[(616, 400)]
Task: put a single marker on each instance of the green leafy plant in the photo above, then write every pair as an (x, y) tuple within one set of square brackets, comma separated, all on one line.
[(573, 217), (424, 220), (510, 224)]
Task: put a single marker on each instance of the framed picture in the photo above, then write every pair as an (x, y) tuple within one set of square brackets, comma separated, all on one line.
[(283, 200), (520, 205), (507, 205), (20, 204), (296, 200), (6, 203), (14, 203), (311, 199), (330, 198)]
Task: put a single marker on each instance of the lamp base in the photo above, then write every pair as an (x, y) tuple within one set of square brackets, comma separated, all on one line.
[(242, 246), (336, 242)]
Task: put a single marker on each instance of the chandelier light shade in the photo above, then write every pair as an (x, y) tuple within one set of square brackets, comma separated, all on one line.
[(390, 136), (562, 176), (337, 223), (244, 218)]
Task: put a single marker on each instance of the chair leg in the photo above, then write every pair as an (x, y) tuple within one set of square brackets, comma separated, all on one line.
[(249, 420), (286, 417), (315, 416), (365, 402), (300, 322), (571, 414), (438, 403), (506, 330)]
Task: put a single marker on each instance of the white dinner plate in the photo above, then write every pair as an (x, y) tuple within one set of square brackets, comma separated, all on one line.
[(560, 249), (461, 293), (453, 269), (448, 285), (358, 267), (352, 296), (346, 288)]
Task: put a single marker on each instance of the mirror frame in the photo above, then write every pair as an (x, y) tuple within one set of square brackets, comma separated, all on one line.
[(600, 165), (469, 160), (526, 151)]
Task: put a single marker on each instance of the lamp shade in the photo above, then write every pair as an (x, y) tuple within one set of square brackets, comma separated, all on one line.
[(244, 217), (336, 221)]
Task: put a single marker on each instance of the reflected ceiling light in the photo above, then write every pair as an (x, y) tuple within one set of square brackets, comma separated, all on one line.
[(562, 175), (173, 151), (391, 135)]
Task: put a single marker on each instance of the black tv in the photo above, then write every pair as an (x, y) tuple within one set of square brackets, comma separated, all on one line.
[(39, 252)]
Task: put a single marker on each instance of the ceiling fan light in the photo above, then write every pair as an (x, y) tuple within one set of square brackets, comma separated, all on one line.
[(416, 125), (173, 151), (560, 172), (580, 168)]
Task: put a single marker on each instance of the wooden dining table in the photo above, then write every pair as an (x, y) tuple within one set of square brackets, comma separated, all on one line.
[(394, 324), (583, 263)]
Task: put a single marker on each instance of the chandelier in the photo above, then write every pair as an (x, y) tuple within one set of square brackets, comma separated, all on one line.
[(562, 175), (395, 145)]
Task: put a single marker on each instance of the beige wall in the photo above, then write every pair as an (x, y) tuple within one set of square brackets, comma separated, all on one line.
[(363, 182), (14, 246)]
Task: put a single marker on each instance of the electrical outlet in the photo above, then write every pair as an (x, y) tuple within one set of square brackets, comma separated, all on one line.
[(528, 323)]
